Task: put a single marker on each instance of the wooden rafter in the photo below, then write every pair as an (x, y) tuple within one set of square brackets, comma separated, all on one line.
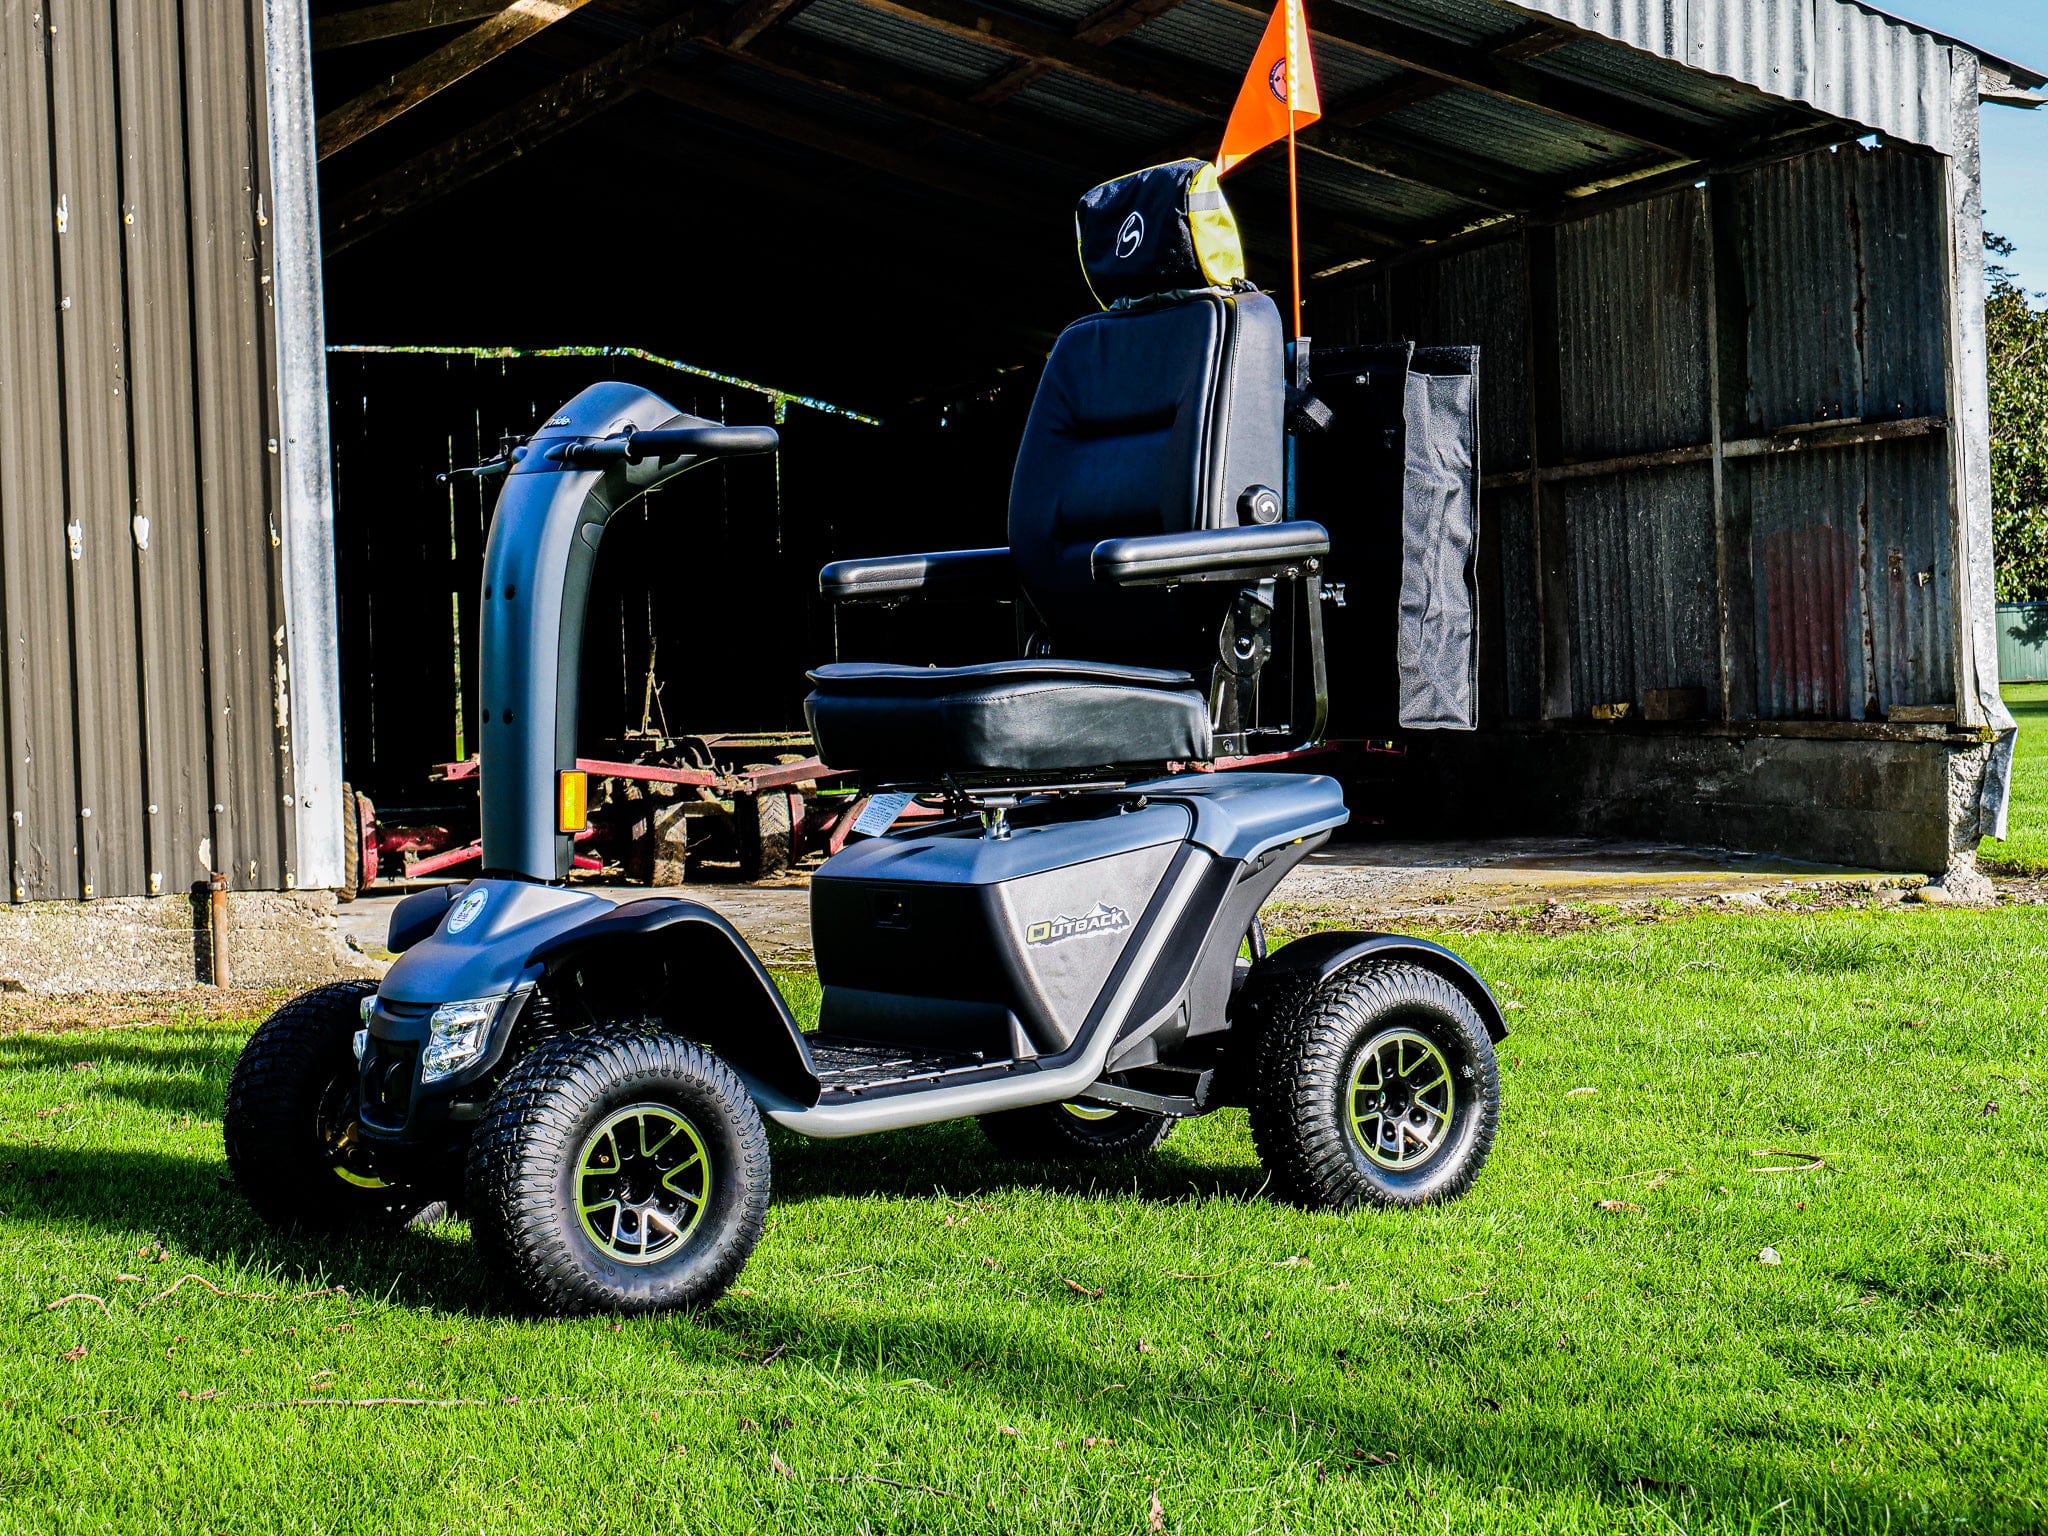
[(1506, 76), (417, 82), (369, 23), (1112, 21), (506, 135), (1079, 162), (754, 17)]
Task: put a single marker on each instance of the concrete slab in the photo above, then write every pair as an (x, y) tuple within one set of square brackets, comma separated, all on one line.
[(1363, 883)]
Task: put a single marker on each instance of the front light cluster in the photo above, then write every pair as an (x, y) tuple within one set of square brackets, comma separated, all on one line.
[(459, 1032)]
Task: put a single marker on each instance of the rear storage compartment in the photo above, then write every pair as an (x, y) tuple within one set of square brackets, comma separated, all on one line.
[(955, 943)]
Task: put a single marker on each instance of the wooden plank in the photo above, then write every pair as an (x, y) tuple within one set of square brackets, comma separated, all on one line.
[(369, 23), (505, 136), (1815, 435), (440, 69), (1120, 17), (755, 17)]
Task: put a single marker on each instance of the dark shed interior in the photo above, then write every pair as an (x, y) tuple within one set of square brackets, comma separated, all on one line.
[(1719, 361)]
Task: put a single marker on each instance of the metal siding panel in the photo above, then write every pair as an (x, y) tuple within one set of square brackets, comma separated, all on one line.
[(1900, 205), (1641, 551), (166, 532), (1522, 629), (1476, 298), (236, 439), (1845, 277), (41, 788), (1909, 571), (93, 342), (1805, 543), (1633, 293)]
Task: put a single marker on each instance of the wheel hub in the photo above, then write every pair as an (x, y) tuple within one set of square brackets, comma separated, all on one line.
[(1400, 1100), (642, 1181)]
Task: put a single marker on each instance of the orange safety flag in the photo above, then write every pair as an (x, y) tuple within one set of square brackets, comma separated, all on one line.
[(1281, 85)]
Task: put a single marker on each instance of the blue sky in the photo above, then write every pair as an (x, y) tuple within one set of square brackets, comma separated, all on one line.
[(2015, 142)]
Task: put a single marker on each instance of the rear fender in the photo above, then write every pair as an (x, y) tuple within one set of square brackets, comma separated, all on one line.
[(689, 965), (1308, 962)]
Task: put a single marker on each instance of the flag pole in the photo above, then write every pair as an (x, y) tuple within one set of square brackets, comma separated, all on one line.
[(1293, 178), (1294, 220)]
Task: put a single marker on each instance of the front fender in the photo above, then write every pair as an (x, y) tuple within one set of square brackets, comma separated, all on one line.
[(1310, 961), (710, 986)]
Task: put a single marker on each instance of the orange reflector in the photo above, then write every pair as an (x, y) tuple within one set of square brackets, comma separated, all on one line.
[(572, 801)]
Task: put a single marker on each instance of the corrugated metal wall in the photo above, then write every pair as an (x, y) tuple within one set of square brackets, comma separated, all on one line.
[(1736, 395), (144, 718)]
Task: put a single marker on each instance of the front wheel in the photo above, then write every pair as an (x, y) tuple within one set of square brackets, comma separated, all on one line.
[(1074, 1133), (619, 1169), (289, 1124), (1379, 1088)]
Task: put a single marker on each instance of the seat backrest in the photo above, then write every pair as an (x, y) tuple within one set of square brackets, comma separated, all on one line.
[(1154, 418)]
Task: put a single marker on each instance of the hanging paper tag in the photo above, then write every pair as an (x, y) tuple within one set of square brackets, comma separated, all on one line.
[(881, 814)]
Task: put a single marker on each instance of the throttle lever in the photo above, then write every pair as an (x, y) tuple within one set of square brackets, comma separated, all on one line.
[(484, 471)]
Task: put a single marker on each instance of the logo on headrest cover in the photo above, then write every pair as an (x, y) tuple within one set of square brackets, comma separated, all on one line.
[(1130, 236)]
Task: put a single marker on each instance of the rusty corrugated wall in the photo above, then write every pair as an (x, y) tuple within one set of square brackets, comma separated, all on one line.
[(145, 712), (1737, 395)]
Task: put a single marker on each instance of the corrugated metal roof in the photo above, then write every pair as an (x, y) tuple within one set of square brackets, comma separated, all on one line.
[(918, 49), (1832, 55), (1705, 75)]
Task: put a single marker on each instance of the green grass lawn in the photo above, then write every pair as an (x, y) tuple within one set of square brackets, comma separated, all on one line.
[(928, 1340), (2025, 850)]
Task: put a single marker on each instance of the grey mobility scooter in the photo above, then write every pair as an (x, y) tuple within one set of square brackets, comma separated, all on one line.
[(1069, 952)]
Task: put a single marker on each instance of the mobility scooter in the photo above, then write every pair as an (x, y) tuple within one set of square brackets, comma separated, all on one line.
[(1069, 952)]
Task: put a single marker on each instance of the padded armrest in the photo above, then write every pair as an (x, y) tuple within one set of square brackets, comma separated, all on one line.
[(948, 573), (1209, 554)]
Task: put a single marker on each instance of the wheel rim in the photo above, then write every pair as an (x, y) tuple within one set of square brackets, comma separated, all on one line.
[(1401, 1099), (1088, 1111), (334, 1123), (643, 1179)]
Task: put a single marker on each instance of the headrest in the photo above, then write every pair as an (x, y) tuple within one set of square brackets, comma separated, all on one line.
[(1158, 230)]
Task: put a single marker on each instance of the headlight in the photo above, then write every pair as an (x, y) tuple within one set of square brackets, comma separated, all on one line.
[(459, 1032)]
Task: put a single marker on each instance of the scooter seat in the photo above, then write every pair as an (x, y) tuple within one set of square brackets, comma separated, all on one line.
[(1003, 719)]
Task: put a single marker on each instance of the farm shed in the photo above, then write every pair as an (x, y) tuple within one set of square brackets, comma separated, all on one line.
[(1723, 258)]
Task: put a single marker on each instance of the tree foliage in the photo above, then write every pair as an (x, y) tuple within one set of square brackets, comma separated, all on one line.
[(2017, 336)]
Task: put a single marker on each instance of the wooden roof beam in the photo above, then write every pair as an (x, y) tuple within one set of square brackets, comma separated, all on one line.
[(504, 136), (371, 23), (419, 81)]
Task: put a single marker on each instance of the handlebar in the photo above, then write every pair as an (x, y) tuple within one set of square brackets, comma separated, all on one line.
[(668, 443)]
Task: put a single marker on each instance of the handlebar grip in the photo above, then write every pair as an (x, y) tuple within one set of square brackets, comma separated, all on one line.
[(726, 442)]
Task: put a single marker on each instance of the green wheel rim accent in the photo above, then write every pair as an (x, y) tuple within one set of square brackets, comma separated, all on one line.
[(1088, 1111), (643, 1179), (1401, 1099)]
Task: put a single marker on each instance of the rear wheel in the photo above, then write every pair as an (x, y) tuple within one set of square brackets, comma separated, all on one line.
[(1379, 1088), (1074, 1133), (619, 1169), (289, 1125)]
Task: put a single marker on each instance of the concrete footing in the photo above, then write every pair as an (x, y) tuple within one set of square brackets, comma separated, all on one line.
[(161, 943), (1894, 802)]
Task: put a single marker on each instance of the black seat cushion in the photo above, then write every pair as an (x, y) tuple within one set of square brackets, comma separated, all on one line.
[(1003, 719)]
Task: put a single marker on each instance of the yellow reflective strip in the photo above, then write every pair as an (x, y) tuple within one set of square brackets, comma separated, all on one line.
[(573, 801)]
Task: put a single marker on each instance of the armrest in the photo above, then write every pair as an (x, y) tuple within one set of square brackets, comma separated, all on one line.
[(1253, 552), (949, 573)]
